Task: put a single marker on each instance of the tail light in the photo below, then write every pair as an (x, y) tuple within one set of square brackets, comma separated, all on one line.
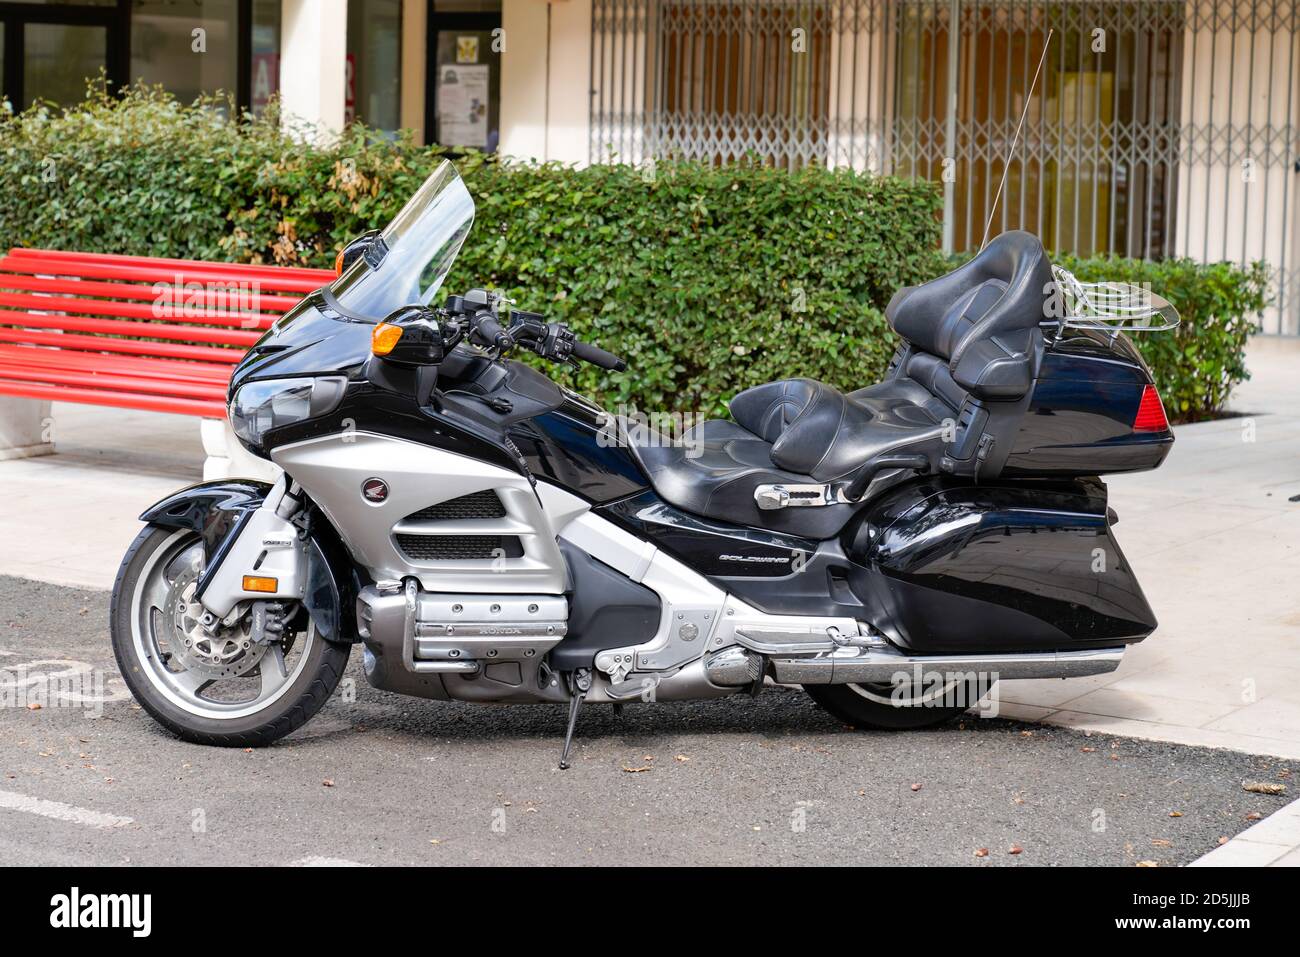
[(1151, 413)]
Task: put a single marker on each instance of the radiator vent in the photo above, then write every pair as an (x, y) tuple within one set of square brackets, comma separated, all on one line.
[(441, 548), (483, 504)]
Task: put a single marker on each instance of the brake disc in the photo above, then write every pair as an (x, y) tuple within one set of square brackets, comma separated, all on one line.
[(228, 652)]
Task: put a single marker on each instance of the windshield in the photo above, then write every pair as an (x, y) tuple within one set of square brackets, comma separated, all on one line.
[(423, 241)]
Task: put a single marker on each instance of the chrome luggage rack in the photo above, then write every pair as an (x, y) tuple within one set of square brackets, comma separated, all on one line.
[(1113, 307)]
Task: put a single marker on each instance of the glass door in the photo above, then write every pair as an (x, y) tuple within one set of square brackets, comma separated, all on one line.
[(463, 98)]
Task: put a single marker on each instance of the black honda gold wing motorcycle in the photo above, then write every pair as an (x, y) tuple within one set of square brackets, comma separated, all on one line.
[(488, 536)]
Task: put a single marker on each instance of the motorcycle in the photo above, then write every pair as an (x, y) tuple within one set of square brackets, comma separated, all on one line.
[(488, 536)]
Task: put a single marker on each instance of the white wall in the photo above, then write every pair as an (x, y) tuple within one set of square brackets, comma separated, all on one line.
[(313, 61), (546, 79)]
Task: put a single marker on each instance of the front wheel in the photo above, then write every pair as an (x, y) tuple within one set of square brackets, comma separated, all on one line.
[(888, 708), (225, 688)]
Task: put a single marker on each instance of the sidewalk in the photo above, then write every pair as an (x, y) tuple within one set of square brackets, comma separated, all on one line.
[(1212, 535)]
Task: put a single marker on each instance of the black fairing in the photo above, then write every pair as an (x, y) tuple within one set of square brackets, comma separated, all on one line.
[(960, 568), (212, 509), (711, 548), (606, 609)]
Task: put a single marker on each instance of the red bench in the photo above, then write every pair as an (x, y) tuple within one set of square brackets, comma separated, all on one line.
[(133, 332)]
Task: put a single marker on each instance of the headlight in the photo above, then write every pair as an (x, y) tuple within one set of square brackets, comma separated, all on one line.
[(259, 407)]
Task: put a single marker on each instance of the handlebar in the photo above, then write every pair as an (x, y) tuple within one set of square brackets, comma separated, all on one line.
[(597, 356), (487, 329), (477, 314)]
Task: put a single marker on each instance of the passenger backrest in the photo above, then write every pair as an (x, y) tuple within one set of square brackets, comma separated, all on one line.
[(981, 317)]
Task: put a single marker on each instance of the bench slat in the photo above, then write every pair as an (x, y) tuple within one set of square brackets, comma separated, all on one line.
[(121, 400), (319, 276), (137, 310), (114, 382), (146, 273), (120, 327), (278, 305), (43, 357), (171, 350)]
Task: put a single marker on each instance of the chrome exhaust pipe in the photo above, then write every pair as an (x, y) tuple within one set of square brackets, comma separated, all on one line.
[(734, 667), (876, 666)]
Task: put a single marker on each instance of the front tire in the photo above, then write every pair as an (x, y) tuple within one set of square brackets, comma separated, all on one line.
[(881, 708), (227, 691)]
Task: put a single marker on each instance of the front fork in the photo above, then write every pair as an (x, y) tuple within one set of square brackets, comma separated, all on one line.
[(262, 558)]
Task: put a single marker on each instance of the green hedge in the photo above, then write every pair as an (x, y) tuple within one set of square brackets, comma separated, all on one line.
[(707, 279)]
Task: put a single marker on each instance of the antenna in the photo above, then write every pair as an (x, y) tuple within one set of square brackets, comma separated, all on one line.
[(1006, 164)]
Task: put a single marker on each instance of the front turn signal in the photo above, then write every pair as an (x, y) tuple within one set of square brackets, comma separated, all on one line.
[(254, 583), (384, 339)]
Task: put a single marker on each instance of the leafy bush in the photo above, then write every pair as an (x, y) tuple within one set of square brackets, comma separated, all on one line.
[(708, 280)]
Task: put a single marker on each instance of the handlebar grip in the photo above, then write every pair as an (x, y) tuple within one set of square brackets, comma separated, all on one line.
[(598, 356), (490, 331)]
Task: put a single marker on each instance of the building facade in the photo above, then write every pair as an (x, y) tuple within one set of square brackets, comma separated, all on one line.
[(1156, 127)]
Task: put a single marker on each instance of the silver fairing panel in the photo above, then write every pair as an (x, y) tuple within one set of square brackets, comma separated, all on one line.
[(333, 469)]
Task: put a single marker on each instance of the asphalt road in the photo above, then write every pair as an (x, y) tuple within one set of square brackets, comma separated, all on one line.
[(387, 780)]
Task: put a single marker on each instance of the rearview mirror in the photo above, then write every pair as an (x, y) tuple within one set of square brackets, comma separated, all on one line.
[(410, 336), (369, 245)]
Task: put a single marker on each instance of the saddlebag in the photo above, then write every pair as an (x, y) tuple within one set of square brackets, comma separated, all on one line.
[(951, 567)]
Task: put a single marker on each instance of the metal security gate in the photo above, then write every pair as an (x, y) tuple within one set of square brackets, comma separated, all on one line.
[(1159, 127)]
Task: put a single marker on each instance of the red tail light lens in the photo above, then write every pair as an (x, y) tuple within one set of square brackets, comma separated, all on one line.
[(1151, 413)]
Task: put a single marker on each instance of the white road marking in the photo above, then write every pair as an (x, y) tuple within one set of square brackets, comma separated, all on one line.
[(326, 862), (59, 811)]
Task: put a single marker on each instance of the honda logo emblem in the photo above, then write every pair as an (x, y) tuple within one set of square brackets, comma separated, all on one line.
[(374, 490)]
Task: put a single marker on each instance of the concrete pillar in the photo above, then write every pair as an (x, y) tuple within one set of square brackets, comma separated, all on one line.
[(313, 63), (26, 428), (415, 59), (523, 78), (226, 458), (568, 136)]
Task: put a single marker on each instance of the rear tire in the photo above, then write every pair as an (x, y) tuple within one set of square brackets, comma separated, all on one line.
[(876, 708), (309, 667)]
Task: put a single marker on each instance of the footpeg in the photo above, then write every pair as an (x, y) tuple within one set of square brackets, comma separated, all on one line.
[(772, 497)]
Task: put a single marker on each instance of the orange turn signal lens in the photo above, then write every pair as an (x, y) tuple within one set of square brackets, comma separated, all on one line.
[(253, 583), (338, 262), (384, 338)]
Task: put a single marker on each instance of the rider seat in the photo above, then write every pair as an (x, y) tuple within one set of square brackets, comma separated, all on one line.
[(971, 335)]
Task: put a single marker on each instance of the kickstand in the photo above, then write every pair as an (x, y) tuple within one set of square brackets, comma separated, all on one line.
[(579, 684)]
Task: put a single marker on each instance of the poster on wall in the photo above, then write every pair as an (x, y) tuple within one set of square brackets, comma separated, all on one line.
[(463, 104)]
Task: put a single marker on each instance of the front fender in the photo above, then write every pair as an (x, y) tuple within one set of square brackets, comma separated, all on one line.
[(216, 511)]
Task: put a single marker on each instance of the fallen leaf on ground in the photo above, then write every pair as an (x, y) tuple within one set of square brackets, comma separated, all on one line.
[(1161, 842), (1015, 849), (1253, 816), (34, 706), (916, 787), (1223, 840), (1263, 787), (981, 852), (1087, 750), (1175, 813), (630, 770), (681, 758), (1147, 864), (435, 841), (328, 782)]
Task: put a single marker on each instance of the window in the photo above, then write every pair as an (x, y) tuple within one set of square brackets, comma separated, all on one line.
[(191, 47)]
